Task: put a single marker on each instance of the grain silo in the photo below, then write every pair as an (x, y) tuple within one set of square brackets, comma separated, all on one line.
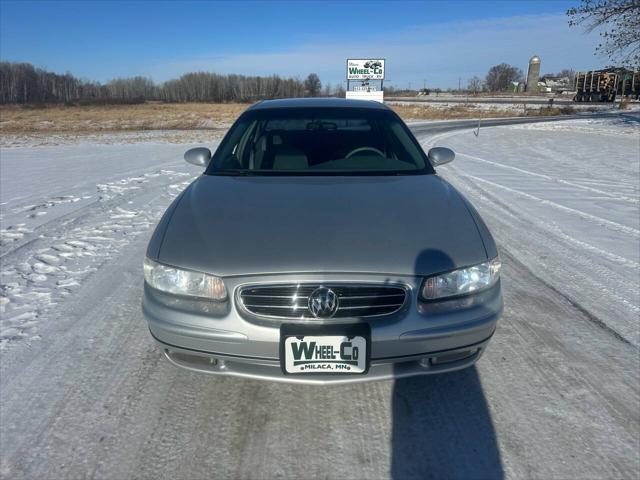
[(533, 74)]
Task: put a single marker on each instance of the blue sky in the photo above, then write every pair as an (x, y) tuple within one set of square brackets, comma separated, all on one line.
[(438, 41)]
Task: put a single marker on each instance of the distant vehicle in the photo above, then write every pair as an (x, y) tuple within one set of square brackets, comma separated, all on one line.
[(606, 85), (320, 246)]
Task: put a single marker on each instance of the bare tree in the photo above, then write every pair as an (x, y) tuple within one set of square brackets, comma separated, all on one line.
[(138, 88), (500, 76), (312, 85), (619, 25), (475, 84), (22, 83), (570, 73)]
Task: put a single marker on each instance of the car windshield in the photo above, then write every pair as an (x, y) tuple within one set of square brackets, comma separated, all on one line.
[(319, 141)]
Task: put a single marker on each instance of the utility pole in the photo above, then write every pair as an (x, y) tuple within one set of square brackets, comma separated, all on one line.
[(459, 83)]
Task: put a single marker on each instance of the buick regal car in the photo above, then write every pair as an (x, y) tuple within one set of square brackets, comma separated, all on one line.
[(320, 246)]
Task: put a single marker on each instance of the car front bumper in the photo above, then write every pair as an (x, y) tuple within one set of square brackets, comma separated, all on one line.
[(422, 338)]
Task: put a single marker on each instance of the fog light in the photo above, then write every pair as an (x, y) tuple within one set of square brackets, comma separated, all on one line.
[(453, 357), (424, 362)]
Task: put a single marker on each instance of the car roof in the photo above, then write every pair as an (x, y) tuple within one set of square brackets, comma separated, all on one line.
[(317, 102)]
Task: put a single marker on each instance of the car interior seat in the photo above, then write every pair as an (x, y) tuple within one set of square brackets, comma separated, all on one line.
[(287, 157)]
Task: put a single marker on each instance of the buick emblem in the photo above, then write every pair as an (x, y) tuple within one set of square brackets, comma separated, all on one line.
[(323, 302)]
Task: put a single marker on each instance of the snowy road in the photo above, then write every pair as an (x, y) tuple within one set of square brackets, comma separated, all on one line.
[(84, 392)]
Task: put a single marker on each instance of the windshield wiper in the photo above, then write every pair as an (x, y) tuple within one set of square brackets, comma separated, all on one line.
[(234, 173), (316, 173)]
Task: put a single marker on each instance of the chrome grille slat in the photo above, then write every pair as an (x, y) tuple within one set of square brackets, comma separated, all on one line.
[(297, 307), (291, 301), (370, 306), (354, 297), (253, 295)]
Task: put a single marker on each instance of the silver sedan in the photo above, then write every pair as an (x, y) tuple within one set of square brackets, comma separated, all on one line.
[(320, 246)]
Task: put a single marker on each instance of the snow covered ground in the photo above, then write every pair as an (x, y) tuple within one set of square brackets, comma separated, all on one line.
[(564, 198), (85, 393), (485, 108), (68, 209)]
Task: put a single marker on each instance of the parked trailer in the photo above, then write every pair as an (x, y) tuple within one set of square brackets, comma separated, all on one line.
[(605, 85), (596, 86)]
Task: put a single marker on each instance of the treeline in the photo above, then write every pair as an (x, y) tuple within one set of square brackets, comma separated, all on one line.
[(22, 83)]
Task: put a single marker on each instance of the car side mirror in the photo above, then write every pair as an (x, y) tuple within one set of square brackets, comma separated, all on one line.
[(198, 156), (440, 156)]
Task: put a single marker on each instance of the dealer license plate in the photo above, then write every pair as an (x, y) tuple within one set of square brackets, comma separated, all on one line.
[(325, 354)]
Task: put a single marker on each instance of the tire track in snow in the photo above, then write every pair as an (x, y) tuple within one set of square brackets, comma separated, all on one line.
[(553, 179), (43, 271), (617, 227), (578, 275)]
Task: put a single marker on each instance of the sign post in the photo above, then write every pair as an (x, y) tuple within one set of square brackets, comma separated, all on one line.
[(364, 72)]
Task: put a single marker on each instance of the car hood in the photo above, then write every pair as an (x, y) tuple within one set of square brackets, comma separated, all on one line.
[(406, 225)]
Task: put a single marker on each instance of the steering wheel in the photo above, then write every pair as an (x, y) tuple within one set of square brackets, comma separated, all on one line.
[(364, 149)]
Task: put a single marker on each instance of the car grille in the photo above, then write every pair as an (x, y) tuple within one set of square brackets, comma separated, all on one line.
[(291, 301)]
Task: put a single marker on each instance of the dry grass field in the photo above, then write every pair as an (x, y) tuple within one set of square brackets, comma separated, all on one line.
[(80, 120), (110, 118)]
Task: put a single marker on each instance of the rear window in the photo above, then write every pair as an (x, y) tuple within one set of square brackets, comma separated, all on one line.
[(307, 141)]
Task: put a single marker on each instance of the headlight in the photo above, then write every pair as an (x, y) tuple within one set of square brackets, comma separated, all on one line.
[(184, 282), (462, 281)]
